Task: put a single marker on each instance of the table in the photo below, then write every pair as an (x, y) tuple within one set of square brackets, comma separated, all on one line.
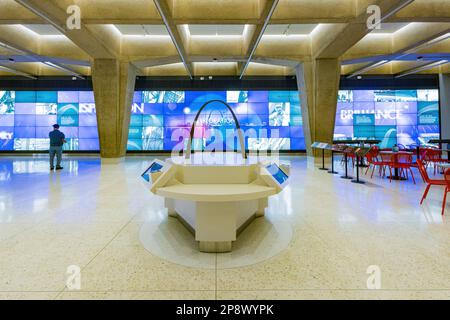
[(439, 141), (357, 141), (396, 173)]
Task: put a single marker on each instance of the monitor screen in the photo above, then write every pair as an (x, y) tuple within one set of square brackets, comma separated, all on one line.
[(267, 119), (154, 167), (277, 173), (405, 117), (26, 118)]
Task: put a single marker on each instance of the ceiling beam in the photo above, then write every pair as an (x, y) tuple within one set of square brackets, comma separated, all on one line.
[(10, 69), (276, 61), (63, 68), (423, 67), (164, 11), (367, 68), (266, 15), (33, 57), (332, 47), (418, 45), (84, 38), (433, 17), (160, 61)]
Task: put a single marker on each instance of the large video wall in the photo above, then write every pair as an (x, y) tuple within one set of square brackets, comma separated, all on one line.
[(26, 118), (271, 120), (160, 120), (404, 117)]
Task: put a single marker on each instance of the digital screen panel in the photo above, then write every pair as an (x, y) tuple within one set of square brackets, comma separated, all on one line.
[(404, 117), (154, 167), (162, 120), (277, 173), (270, 120), (26, 118)]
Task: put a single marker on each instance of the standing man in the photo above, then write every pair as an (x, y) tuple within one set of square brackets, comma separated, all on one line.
[(57, 139)]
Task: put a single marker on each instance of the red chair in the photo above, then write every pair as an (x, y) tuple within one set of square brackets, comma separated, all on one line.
[(350, 156), (434, 157), (422, 152), (386, 161), (428, 181), (447, 188), (404, 163), (372, 159)]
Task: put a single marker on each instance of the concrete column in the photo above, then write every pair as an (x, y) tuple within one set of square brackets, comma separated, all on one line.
[(113, 83), (444, 85), (318, 85)]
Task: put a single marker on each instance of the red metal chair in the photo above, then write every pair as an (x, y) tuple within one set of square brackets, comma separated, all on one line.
[(404, 163), (350, 156), (427, 180), (386, 161), (434, 156), (447, 188), (372, 159), (422, 152)]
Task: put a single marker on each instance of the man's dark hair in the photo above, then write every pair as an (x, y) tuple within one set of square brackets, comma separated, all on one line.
[(56, 126)]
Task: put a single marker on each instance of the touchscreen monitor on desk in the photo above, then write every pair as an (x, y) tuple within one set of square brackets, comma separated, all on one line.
[(154, 167), (277, 173)]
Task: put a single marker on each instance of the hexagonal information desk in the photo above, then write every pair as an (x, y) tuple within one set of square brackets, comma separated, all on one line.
[(216, 195), (215, 202)]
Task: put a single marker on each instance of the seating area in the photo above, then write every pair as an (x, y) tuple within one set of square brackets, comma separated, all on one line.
[(400, 163)]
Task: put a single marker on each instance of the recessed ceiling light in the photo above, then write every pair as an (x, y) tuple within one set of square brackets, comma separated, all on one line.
[(359, 77)]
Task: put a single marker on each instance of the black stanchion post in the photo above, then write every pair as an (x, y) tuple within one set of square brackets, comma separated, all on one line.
[(323, 161), (357, 173), (332, 163), (346, 167)]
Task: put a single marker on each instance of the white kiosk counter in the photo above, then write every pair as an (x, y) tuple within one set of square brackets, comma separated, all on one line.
[(214, 199)]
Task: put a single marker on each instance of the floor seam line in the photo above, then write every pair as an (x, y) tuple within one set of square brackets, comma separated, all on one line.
[(97, 254)]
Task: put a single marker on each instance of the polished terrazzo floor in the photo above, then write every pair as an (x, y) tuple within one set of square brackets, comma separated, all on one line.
[(91, 215)]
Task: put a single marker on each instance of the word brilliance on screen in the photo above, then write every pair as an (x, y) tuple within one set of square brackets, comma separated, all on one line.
[(407, 117)]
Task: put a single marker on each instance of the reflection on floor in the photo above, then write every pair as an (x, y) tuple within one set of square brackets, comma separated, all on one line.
[(90, 216)]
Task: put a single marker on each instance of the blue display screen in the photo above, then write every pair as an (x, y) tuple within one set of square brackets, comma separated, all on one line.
[(270, 120), (155, 167), (162, 120), (277, 173), (393, 116), (26, 118)]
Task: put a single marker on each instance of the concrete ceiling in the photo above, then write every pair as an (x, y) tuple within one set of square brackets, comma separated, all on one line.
[(142, 29), (213, 37), (43, 29), (216, 29)]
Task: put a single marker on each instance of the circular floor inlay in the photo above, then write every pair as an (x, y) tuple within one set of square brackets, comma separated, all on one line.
[(168, 239)]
